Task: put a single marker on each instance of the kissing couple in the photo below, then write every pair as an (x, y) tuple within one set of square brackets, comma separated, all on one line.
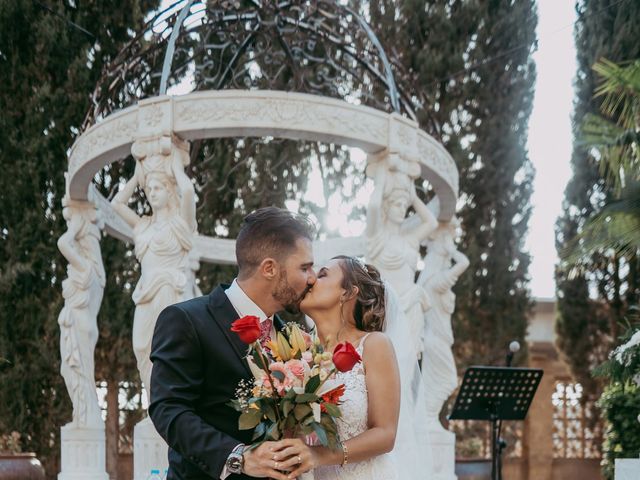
[(198, 362)]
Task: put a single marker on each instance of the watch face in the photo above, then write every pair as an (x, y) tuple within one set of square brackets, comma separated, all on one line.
[(234, 464)]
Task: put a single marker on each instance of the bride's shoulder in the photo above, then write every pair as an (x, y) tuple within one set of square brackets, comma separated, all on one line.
[(377, 343)]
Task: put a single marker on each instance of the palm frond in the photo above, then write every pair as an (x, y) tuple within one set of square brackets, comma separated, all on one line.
[(621, 88), (615, 228), (619, 233), (617, 148)]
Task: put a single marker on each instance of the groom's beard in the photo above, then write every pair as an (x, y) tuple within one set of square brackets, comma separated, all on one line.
[(286, 295)]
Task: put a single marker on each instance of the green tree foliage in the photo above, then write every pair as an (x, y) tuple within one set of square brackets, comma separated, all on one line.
[(594, 297), (471, 64), (617, 225), (48, 67)]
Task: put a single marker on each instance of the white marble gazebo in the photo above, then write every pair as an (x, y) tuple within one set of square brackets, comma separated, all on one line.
[(158, 132)]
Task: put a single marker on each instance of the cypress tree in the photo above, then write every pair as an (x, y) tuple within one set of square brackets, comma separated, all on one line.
[(471, 66), (51, 54)]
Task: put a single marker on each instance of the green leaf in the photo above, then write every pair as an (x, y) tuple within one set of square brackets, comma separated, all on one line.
[(273, 432), (306, 398), (321, 433), (332, 410), (249, 419), (287, 406), (259, 431), (270, 412), (257, 360), (312, 384), (301, 411), (290, 423), (290, 395)]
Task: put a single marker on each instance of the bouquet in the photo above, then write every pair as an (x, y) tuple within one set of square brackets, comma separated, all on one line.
[(294, 392)]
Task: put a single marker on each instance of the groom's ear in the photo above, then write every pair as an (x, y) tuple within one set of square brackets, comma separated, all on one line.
[(269, 268)]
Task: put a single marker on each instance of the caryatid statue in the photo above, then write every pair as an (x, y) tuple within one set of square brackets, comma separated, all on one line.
[(163, 240), (393, 241), (82, 291), (443, 265)]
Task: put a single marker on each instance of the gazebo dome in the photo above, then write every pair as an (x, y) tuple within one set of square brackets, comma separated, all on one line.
[(320, 47)]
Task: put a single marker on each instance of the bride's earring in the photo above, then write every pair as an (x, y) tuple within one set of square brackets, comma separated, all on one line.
[(342, 321)]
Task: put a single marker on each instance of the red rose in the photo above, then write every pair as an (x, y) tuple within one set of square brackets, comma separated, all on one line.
[(345, 356), (247, 328)]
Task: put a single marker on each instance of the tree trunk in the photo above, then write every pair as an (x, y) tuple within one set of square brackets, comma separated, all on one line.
[(112, 429)]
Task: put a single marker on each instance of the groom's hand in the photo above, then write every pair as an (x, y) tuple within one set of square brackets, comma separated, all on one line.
[(260, 462)]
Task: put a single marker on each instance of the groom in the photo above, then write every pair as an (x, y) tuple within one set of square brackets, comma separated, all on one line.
[(198, 361)]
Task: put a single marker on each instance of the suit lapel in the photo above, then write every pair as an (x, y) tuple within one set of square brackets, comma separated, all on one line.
[(224, 315), (278, 323)]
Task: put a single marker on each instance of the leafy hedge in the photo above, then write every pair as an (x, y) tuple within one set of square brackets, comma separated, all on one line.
[(620, 401)]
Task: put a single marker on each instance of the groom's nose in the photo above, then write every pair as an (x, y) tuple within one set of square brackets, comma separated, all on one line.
[(311, 279)]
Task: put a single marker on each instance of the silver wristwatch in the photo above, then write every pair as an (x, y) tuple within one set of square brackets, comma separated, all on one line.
[(235, 460)]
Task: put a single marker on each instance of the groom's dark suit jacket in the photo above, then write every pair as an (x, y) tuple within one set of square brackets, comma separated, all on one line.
[(197, 364)]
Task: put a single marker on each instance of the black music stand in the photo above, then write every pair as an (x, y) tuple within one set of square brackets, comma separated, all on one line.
[(496, 394)]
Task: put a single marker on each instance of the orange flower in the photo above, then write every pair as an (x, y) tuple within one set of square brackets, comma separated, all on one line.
[(332, 396)]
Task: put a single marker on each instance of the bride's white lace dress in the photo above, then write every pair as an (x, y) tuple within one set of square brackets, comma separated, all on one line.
[(353, 422)]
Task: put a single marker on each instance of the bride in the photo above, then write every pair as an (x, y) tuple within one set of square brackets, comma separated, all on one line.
[(347, 303)]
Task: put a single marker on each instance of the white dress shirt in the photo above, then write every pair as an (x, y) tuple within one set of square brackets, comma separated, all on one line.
[(244, 306)]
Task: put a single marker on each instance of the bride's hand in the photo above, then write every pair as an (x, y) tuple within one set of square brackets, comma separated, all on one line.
[(295, 455)]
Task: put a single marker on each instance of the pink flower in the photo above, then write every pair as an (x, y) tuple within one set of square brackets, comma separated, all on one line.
[(278, 367), (307, 339), (296, 368), (307, 356), (280, 385)]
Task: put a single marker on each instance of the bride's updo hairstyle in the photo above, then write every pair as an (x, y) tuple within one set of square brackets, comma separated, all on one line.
[(369, 310)]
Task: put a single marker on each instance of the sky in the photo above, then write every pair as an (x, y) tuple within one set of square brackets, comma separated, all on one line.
[(550, 136)]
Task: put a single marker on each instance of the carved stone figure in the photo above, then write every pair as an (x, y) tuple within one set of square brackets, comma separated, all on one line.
[(393, 240), (82, 291), (163, 240), (443, 266)]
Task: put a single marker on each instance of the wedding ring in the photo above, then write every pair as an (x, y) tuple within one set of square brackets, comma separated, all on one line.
[(275, 466), (299, 459)]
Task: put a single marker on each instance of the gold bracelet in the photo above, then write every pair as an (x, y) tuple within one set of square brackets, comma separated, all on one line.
[(345, 454)]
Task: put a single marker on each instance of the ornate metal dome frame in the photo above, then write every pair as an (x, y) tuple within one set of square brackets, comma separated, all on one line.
[(340, 88), (320, 47)]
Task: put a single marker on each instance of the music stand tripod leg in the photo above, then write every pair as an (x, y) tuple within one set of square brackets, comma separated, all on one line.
[(494, 448)]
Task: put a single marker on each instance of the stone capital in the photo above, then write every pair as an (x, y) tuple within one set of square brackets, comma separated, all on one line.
[(155, 117)]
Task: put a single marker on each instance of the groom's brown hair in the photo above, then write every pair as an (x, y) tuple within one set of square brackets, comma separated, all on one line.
[(269, 232)]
